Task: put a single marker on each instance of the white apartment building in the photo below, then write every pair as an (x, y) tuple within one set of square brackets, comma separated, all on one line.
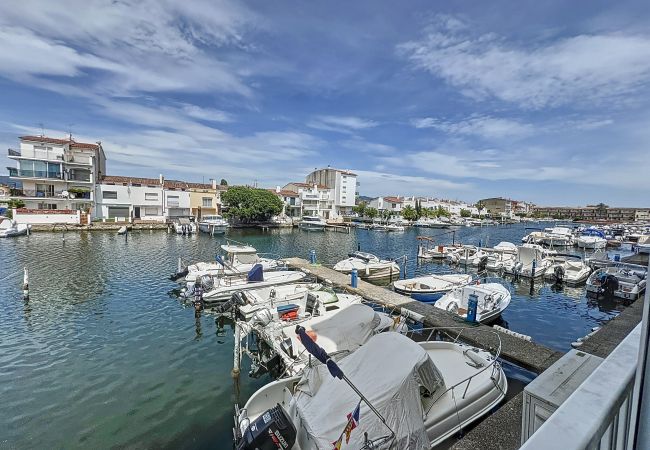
[(177, 198), (127, 198), (57, 174), (343, 185), (292, 205), (393, 204), (314, 199)]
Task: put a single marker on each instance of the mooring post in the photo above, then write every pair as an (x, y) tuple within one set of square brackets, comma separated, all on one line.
[(180, 265), (312, 257), (532, 274), (354, 278), (25, 284), (236, 352)]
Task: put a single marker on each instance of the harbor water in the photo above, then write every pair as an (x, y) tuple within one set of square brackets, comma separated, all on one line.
[(102, 355)]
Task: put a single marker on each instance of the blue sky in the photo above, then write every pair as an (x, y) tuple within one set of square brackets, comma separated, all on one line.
[(539, 101)]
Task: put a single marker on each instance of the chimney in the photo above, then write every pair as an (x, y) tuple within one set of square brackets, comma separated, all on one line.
[(162, 179), (277, 189), (214, 184)]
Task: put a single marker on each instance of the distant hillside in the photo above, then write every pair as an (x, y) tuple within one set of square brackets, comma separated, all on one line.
[(364, 198), (6, 180)]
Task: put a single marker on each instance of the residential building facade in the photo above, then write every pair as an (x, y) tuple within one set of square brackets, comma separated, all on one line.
[(176, 198), (127, 198), (498, 206), (593, 212), (57, 174), (205, 199), (314, 199), (292, 205), (343, 185), (392, 204)]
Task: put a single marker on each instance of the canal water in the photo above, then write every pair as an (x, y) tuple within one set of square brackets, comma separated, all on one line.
[(102, 355)]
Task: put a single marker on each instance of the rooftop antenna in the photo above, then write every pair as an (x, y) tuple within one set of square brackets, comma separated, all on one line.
[(70, 130), (42, 127)]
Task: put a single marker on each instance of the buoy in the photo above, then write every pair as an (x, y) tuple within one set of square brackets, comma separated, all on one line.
[(25, 283)]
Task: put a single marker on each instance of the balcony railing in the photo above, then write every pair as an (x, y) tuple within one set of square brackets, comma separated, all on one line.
[(79, 177), (13, 172), (13, 152), (51, 194)]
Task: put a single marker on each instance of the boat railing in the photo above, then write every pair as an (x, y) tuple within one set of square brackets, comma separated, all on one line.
[(493, 365)]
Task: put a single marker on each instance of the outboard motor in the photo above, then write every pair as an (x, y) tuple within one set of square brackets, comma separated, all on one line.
[(273, 430), (236, 299), (609, 284), (558, 273), (482, 263)]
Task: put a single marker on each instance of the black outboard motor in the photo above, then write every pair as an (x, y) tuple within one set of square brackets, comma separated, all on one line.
[(610, 284), (273, 430), (558, 273), (236, 299), (482, 263)]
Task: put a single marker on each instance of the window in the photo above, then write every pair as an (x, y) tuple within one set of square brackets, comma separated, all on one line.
[(151, 211), (47, 206), (207, 202), (109, 195), (151, 196), (172, 200)]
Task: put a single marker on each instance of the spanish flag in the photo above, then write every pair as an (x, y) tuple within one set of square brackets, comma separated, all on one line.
[(337, 444), (353, 420)]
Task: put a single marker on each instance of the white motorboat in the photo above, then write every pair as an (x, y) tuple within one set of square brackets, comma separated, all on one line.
[(468, 255), (184, 225), (218, 289), (239, 259), (421, 222), (369, 267), (558, 237), (569, 269), (531, 262), (501, 255), (312, 223), (591, 239), (534, 237), (643, 244), (122, 230), (430, 288), (427, 249), (213, 224), (439, 223), (492, 300), (10, 228), (627, 281), (340, 331), (421, 394), (289, 302)]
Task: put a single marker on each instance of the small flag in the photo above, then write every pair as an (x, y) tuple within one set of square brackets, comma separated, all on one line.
[(353, 421), (338, 443)]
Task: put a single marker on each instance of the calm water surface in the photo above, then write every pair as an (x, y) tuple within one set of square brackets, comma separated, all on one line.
[(102, 356)]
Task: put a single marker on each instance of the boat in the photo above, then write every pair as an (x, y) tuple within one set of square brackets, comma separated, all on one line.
[(531, 262), (557, 237), (341, 331), (468, 255), (430, 288), (492, 300), (427, 249), (288, 302), (626, 281), (369, 267), (218, 289), (501, 255), (643, 244), (591, 239), (409, 395), (239, 259), (534, 237), (214, 224), (394, 227), (312, 223), (11, 228), (569, 269), (184, 225), (438, 223), (122, 230)]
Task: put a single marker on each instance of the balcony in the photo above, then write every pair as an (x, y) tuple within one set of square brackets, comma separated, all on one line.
[(13, 172), (30, 193), (13, 152), (85, 177)]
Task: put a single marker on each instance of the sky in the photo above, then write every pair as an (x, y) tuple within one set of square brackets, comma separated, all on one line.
[(547, 102)]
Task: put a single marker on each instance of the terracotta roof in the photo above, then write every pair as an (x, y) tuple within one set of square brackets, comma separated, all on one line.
[(176, 184), (131, 180), (307, 185), (49, 140), (393, 199), (284, 193)]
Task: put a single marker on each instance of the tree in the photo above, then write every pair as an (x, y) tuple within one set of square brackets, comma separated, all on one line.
[(11, 204), (409, 213), (442, 212), (223, 182), (418, 208), (250, 204), (360, 209), (465, 213), (602, 209), (371, 213)]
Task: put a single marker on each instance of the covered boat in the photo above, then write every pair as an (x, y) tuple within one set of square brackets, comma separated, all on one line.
[(421, 394), (569, 269), (492, 300), (238, 260), (531, 262), (430, 288), (591, 239), (369, 267)]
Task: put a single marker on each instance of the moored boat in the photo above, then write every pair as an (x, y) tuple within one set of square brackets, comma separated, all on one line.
[(369, 267), (238, 260), (213, 224), (626, 281), (10, 228), (430, 288), (492, 299), (312, 223)]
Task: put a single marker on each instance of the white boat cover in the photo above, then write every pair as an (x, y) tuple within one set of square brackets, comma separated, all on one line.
[(389, 370), (346, 330)]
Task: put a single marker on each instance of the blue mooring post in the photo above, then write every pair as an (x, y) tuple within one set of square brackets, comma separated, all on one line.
[(312, 256), (532, 274), (479, 243), (354, 278), (617, 257), (472, 306)]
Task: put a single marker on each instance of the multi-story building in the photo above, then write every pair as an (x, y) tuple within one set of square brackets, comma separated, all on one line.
[(205, 199), (498, 206), (126, 198), (392, 204), (314, 199), (343, 185), (177, 198), (642, 215), (292, 206), (593, 212), (57, 174)]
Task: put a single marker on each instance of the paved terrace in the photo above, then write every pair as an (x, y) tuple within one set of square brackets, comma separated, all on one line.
[(501, 430)]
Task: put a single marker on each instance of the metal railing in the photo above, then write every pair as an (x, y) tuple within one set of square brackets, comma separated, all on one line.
[(599, 413), (50, 194), (12, 152), (35, 174)]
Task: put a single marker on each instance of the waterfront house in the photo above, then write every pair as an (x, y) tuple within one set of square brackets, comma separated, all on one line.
[(127, 198), (176, 198), (5, 195), (56, 174), (392, 204), (292, 206), (343, 186), (315, 199), (205, 199)]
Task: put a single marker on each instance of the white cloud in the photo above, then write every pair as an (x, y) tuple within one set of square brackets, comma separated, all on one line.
[(484, 126), (208, 114), (374, 148), (375, 183), (341, 124), (581, 68)]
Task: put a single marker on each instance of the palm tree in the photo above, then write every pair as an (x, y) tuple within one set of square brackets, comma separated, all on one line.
[(601, 208)]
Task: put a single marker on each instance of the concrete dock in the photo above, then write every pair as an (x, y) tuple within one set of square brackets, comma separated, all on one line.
[(502, 429)]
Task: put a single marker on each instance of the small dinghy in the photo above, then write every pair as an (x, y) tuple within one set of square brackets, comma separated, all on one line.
[(409, 395), (627, 281), (10, 228), (122, 230), (430, 288), (492, 300), (219, 289), (369, 267)]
